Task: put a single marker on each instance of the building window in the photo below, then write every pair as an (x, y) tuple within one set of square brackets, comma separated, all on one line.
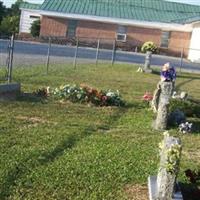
[(34, 17), (71, 30), (121, 33), (165, 39)]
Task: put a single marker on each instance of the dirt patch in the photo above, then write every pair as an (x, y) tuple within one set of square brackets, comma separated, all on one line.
[(32, 119), (137, 192)]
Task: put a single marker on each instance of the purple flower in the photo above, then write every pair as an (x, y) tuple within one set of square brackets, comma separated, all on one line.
[(168, 73)]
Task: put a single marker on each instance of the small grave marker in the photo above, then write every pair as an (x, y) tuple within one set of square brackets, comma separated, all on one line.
[(9, 91), (147, 64), (164, 186)]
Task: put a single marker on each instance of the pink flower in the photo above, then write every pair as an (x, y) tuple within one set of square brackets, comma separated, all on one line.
[(147, 97)]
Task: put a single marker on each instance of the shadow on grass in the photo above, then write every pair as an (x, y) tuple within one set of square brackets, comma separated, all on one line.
[(31, 98), (178, 86), (58, 150), (190, 191), (188, 76), (136, 105), (10, 180), (69, 143), (196, 127), (156, 72), (29, 164)]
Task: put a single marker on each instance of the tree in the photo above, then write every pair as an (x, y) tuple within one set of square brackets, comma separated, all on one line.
[(2, 11), (9, 25), (10, 19), (14, 10), (35, 28)]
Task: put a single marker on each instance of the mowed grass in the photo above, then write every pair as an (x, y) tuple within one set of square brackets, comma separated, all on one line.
[(60, 150)]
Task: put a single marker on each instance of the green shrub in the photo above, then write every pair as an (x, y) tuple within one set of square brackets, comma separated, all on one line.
[(9, 25), (149, 46), (190, 108), (35, 28)]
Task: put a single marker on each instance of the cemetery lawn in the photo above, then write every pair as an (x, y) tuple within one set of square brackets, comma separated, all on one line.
[(60, 150)]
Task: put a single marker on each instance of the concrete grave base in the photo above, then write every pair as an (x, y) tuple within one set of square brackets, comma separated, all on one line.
[(152, 185), (9, 91)]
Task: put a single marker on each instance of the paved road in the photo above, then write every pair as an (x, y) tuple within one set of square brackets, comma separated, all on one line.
[(35, 53)]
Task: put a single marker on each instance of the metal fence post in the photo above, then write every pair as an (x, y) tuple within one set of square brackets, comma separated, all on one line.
[(48, 55), (97, 52), (10, 59), (113, 52), (76, 52), (181, 62)]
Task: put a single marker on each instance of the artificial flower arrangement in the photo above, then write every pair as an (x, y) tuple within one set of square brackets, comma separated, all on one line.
[(42, 92), (147, 97), (168, 73), (185, 127), (86, 94)]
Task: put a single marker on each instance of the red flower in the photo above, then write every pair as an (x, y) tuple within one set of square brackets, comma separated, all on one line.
[(104, 98), (147, 97), (95, 92)]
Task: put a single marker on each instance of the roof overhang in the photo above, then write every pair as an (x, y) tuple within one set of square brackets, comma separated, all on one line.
[(157, 25), (31, 10)]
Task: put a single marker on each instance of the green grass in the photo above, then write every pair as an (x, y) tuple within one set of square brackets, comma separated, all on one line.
[(54, 150)]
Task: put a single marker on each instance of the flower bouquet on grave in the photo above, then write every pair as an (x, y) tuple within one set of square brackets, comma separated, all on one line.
[(87, 94), (147, 97), (168, 73), (185, 127)]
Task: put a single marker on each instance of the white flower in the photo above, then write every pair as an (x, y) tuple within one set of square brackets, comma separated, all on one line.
[(166, 134), (185, 127), (110, 94)]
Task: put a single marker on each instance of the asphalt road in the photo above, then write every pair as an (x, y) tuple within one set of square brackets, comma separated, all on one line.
[(35, 53)]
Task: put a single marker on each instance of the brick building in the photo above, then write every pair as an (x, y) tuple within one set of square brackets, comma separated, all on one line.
[(130, 22)]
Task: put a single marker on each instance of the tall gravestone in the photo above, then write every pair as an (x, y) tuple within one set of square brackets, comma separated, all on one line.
[(166, 89), (164, 186)]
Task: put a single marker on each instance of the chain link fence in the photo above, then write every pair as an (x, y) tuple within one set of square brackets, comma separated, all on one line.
[(4, 58), (50, 52)]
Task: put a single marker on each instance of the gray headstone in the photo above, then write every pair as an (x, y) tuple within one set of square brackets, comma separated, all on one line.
[(166, 89), (10, 88), (9, 91), (156, 97), (147, 64)]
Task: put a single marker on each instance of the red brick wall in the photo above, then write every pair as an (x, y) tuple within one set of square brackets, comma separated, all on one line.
[(179, 40), (138, 35), (51, 26), (96, 30)]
